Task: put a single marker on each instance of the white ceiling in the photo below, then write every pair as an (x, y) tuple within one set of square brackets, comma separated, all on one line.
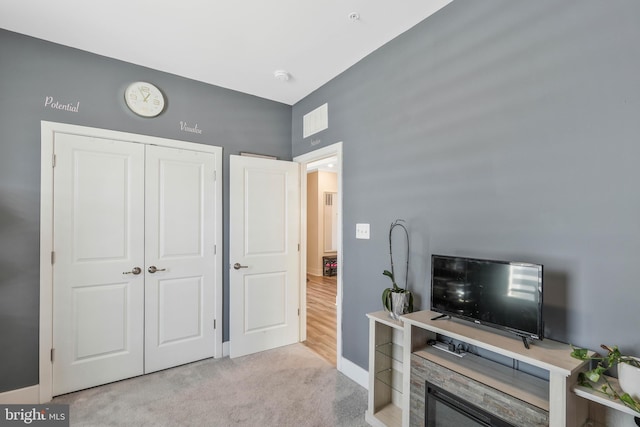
[(234, 44)]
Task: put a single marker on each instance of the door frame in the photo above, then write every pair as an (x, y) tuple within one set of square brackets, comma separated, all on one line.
[(304, 159), (48, 131)]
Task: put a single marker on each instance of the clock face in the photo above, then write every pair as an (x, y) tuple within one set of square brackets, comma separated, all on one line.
[(144, 99)]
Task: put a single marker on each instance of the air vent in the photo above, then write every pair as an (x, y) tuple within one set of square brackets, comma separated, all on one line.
[(315, 121), (328, 199)]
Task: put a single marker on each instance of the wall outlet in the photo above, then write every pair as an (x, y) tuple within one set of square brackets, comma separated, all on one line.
[(362, 231)]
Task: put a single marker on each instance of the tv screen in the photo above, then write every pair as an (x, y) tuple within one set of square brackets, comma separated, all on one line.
[(501, 294)]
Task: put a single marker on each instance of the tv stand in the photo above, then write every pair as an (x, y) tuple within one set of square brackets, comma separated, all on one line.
[(525, 342), (565, 409)]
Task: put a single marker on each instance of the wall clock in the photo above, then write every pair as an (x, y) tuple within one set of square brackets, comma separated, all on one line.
[(144, 99)]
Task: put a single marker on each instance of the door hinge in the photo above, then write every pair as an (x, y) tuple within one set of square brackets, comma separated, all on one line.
[(215, 175), (53, 161), (53, 257), (215, 249), (298, 247), (214, 323), (53, 350), (298, 312)]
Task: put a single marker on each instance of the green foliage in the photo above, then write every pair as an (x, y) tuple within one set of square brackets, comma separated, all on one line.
[(386, 294), (603, 364)]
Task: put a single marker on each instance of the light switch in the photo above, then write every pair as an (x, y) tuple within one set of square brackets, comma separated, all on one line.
[(362, 231)]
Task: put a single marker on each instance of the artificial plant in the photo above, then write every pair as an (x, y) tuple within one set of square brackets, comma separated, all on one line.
[(386, 294), (604, 363)]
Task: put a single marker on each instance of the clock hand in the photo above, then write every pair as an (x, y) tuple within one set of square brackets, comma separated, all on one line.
[(144, 96)]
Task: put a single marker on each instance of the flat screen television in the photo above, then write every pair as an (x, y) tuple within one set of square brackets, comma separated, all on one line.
[(500, 294)]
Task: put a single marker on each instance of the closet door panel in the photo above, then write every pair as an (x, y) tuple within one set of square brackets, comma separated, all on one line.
[(180, 293), (98, 301)]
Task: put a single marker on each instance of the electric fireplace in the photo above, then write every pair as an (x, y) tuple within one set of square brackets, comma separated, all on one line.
[(444, 409)]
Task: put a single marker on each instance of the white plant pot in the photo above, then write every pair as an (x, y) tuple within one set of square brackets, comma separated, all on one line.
[(629, 378), (398, 303)]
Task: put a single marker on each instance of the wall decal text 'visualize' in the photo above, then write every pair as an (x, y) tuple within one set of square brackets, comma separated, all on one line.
[(186, 128)]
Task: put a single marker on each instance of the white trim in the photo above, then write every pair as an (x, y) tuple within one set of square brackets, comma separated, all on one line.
[(225, 348), (304, 159), (303, 253), (355, 372), (48, 131), (26, 396)]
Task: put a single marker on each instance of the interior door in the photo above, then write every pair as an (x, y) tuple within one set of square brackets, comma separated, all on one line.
[(264, 254), (98, 292), (180, 248), (135, 268)]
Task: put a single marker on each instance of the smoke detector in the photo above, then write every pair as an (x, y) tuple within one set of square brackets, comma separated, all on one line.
[(281, 75), (354, 16)]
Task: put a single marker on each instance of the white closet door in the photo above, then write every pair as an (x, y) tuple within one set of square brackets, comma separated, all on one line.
[(180, 245), (98, 300), (135, 271)]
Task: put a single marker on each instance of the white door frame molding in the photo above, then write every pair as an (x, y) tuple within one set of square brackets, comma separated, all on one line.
[(304, 159), (48, 131)]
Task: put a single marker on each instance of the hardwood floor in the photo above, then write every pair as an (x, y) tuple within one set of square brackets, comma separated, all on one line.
[(321, 316)]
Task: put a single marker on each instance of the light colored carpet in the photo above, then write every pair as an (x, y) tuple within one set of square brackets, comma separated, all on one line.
[(289, 386)]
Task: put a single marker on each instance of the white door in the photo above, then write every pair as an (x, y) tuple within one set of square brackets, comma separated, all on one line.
[(135, 271), (180, 248), (263, 254), (98, 292)]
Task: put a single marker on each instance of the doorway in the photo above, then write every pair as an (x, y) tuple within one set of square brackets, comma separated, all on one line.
[(321, 207)]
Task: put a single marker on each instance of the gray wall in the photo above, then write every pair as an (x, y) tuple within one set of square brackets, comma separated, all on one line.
[(499, 129), (31, 70)]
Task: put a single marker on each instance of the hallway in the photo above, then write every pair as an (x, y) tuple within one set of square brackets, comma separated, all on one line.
[(321, 316)]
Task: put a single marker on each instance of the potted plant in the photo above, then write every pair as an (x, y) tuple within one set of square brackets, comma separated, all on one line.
[(627, 365), (397, 300)]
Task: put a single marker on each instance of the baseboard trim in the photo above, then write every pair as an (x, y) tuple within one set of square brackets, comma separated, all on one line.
[(225, 349), (315, 271), (27, 396), (355, 372)]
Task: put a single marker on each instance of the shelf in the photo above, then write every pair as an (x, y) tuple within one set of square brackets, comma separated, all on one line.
[(390, 349), (601, 398), (549, 355), (386, 379), (388, 416), (385, 318), (388, 365), (391, 377), (523, 386)]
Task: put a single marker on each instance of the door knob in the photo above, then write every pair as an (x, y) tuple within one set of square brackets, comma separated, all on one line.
[(134, 270), (237, 266), (153, 269)]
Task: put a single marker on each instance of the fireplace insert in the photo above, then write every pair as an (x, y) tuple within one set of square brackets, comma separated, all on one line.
[(443, 409)]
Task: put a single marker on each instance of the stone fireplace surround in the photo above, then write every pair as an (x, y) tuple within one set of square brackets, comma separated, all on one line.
[(507, 407)]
